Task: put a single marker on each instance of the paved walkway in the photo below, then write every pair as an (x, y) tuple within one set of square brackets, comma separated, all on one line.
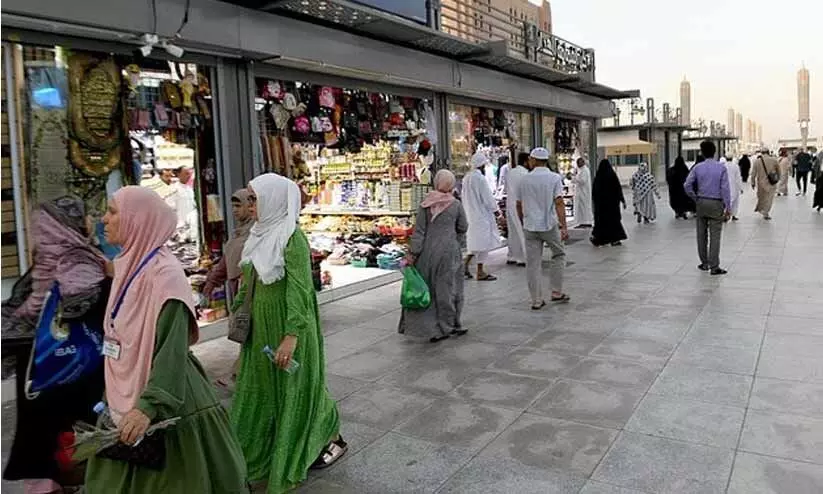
[(657, 378)]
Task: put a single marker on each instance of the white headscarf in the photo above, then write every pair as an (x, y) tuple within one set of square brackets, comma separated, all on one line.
[(278, 207)]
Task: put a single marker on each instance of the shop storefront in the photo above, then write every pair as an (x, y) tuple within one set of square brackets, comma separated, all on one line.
[(567, 139), (87, 123), (363, 158)]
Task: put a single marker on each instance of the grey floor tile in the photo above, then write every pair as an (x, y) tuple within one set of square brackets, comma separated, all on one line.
[(798, 325), (691, 421), (665, 332), (506, 476), (508, 334), (714, 319), (633, 349), (724, 338), (351, 340), (665, 466), (787, 396), (397, 463), (605, 405), (468, 352), (433, 378), (735, 360), (593, 487), (464, 425), (358, 436), (341, 387), (322, 486), (755, 474), (366, 365), (536, 363), (784, 435), (577, 343), (793, 344), (703, 385), (614, 371), (790, 367), (544, 442), (502, 389), (383, 407), (657, 313)]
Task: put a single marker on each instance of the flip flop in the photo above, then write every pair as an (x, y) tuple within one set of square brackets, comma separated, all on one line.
[(561, 299), (539, 306), (488, 277)]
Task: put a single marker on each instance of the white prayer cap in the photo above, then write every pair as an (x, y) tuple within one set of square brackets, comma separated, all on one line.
[(539, 154), (165, 165), (479, 160)]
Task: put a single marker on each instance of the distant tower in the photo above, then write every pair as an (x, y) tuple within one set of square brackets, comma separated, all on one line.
[(686, 102), (749, 133), (760, 134), (738, 126), (803, 103)]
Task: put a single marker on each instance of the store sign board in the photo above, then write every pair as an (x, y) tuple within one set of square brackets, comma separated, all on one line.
[(566, 55), (414, 10)]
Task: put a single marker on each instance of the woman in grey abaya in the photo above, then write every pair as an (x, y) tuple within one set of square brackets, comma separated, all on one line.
[(435, 252)]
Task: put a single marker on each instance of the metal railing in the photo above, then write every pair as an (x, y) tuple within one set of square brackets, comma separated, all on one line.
[(478, 21)]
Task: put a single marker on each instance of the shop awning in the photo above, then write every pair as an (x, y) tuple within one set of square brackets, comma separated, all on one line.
[(375, 23)]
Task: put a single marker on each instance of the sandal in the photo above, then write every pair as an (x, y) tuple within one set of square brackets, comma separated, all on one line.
[(539, 306), (330, 454), (488, 277), (459, 332), (468, 275), (438, 339), (561, 299)]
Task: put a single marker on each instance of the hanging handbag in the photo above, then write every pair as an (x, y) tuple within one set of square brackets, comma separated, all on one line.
[(63, 351), (772, 177), (240, 321)]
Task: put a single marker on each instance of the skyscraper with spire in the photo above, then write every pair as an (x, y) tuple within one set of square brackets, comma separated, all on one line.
[(685, 102), (803, 103)]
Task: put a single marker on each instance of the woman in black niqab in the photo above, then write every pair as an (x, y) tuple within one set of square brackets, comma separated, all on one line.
[(680, 202), (607, 195), (745, 167)]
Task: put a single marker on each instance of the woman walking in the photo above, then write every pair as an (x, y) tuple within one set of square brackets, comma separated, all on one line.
[(150, 373), (286, 421), (745, 165), (644, 189), (680, 202), (435, 252), (62, 254), (817, 200), (785, 165), (608, 196)]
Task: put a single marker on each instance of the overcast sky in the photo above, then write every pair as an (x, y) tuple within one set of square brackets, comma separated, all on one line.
[(734, 54)]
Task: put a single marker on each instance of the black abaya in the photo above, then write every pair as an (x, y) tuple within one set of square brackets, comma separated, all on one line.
[(607, 195), (680, 202), (745, 167)]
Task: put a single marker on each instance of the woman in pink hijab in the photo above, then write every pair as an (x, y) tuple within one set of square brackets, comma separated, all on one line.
[(435, 252), (150, 374)]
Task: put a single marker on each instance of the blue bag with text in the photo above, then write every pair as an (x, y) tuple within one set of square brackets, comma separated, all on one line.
[(62, 351)]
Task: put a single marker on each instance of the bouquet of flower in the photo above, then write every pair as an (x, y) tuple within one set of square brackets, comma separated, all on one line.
[(90, 440)]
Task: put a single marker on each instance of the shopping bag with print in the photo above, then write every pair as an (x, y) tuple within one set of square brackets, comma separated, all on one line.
[(414, 294)]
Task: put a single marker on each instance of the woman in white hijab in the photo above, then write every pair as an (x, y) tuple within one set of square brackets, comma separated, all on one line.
[(735, 185), (284, 417), (483, 235)]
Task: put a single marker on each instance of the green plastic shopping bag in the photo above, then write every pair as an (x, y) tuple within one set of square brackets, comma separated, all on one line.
[(415, 293)]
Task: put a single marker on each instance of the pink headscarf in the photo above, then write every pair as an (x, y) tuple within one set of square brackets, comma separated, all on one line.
[(442, 197), (146, 223)]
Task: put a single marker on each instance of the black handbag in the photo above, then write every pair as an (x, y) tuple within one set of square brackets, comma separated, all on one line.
[(772, 177), (240, 320), (149, 453)]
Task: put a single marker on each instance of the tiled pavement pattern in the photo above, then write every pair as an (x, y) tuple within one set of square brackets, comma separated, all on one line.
[(657, 378)]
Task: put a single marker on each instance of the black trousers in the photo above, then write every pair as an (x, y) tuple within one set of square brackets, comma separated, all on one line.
[(804, 176)]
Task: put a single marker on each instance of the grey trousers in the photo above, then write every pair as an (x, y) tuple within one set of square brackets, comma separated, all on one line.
[(534, 261), (709, 229)]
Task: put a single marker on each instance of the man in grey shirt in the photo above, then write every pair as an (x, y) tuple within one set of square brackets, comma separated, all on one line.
[(708, 185)]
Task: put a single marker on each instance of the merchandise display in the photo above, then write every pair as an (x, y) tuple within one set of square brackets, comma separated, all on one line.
[(363, 160)]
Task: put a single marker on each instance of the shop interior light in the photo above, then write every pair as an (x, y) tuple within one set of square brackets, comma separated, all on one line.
[(172, 50)]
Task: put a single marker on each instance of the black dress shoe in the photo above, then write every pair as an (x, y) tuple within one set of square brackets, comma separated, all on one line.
[(718, 271), (702, 267)]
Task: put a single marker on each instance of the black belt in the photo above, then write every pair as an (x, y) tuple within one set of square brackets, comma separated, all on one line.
[(710, 198)]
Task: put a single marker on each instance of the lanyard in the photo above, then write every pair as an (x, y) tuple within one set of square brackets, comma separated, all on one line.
[(122, 296)]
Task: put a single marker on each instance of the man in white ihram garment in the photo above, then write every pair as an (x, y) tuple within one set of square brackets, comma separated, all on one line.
[(735, 185), (583, 209), (478, 201), (516, 241)]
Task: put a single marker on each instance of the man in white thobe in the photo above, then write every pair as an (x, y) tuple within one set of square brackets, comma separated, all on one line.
[(735, 185), (478, 201), (583, 210), (517, 246)]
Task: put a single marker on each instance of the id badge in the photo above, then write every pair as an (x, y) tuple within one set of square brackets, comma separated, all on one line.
[(111, 349)]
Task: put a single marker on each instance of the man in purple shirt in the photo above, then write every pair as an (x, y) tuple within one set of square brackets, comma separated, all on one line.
[(708, 185)]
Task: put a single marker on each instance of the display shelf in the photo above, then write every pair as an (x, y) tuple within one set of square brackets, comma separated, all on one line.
[(354, 212)]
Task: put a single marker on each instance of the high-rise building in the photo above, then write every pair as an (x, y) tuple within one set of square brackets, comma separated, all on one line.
[(738, 126), (759, 134), (685, 102), (492, 20), (803, 103), (730, 121), (749, 130)]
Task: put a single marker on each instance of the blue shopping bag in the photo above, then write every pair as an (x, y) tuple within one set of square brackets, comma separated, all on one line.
[(63, 351)]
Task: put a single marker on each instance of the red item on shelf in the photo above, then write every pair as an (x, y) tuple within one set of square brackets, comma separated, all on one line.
[(64, 454)]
